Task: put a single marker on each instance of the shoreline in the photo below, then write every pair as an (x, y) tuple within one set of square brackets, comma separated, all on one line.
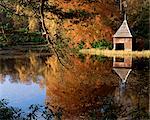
[(117, 53)]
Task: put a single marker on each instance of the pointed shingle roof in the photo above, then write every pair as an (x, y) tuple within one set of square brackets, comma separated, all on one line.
[(123, 73), (123, 31)]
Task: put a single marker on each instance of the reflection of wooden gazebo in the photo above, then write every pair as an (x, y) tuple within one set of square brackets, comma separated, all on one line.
[(123, 73), (122, 39), (123, 67)]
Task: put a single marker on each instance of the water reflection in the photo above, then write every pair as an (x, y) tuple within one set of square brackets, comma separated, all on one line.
[(92, 89), (100, 88), (81, 90), (22, 82), (122, 67)]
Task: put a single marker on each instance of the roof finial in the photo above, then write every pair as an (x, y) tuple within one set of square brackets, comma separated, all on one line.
[(125, 16), (125, 9)]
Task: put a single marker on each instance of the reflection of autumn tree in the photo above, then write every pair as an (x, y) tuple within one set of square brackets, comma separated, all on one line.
[(5, 66), (80, 89), (24, 70), (135, 98), (83, 88), (31, 71)]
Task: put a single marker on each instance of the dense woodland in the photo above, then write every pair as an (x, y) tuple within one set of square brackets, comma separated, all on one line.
[(77, 23), (67, 25)]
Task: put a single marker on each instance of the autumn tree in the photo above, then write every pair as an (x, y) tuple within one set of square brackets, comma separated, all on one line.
[(80, 20)]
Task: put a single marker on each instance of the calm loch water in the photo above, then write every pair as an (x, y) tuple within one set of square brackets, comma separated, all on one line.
[(87, 88)]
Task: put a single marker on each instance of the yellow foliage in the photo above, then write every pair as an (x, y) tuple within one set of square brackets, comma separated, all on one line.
[(18, 9), (33, 24)]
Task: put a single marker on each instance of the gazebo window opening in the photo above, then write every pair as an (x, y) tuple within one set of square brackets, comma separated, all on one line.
[(119, 60), (119, 46)]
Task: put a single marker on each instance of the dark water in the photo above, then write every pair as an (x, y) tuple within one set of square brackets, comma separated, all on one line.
[(89, 88)]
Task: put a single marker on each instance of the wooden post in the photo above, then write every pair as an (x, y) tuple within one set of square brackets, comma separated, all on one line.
[(114, 46)]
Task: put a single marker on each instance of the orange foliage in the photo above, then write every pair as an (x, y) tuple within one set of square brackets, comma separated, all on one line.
[(76, 90), (92, 28)]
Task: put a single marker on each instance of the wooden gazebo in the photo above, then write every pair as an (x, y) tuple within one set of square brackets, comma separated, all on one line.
[(122, 39)]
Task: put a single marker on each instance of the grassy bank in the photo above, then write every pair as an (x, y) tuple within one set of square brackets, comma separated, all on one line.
[(117, 53)]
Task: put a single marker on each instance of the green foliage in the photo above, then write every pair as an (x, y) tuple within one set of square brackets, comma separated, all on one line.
[(8, 113), (61, 43), (6, 26), (101, 44), (141, 18), (37, 39), (34, 112), (20, 38), (81, 44), (81, 57), (139, 113), (6, 19), (24, 30)]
